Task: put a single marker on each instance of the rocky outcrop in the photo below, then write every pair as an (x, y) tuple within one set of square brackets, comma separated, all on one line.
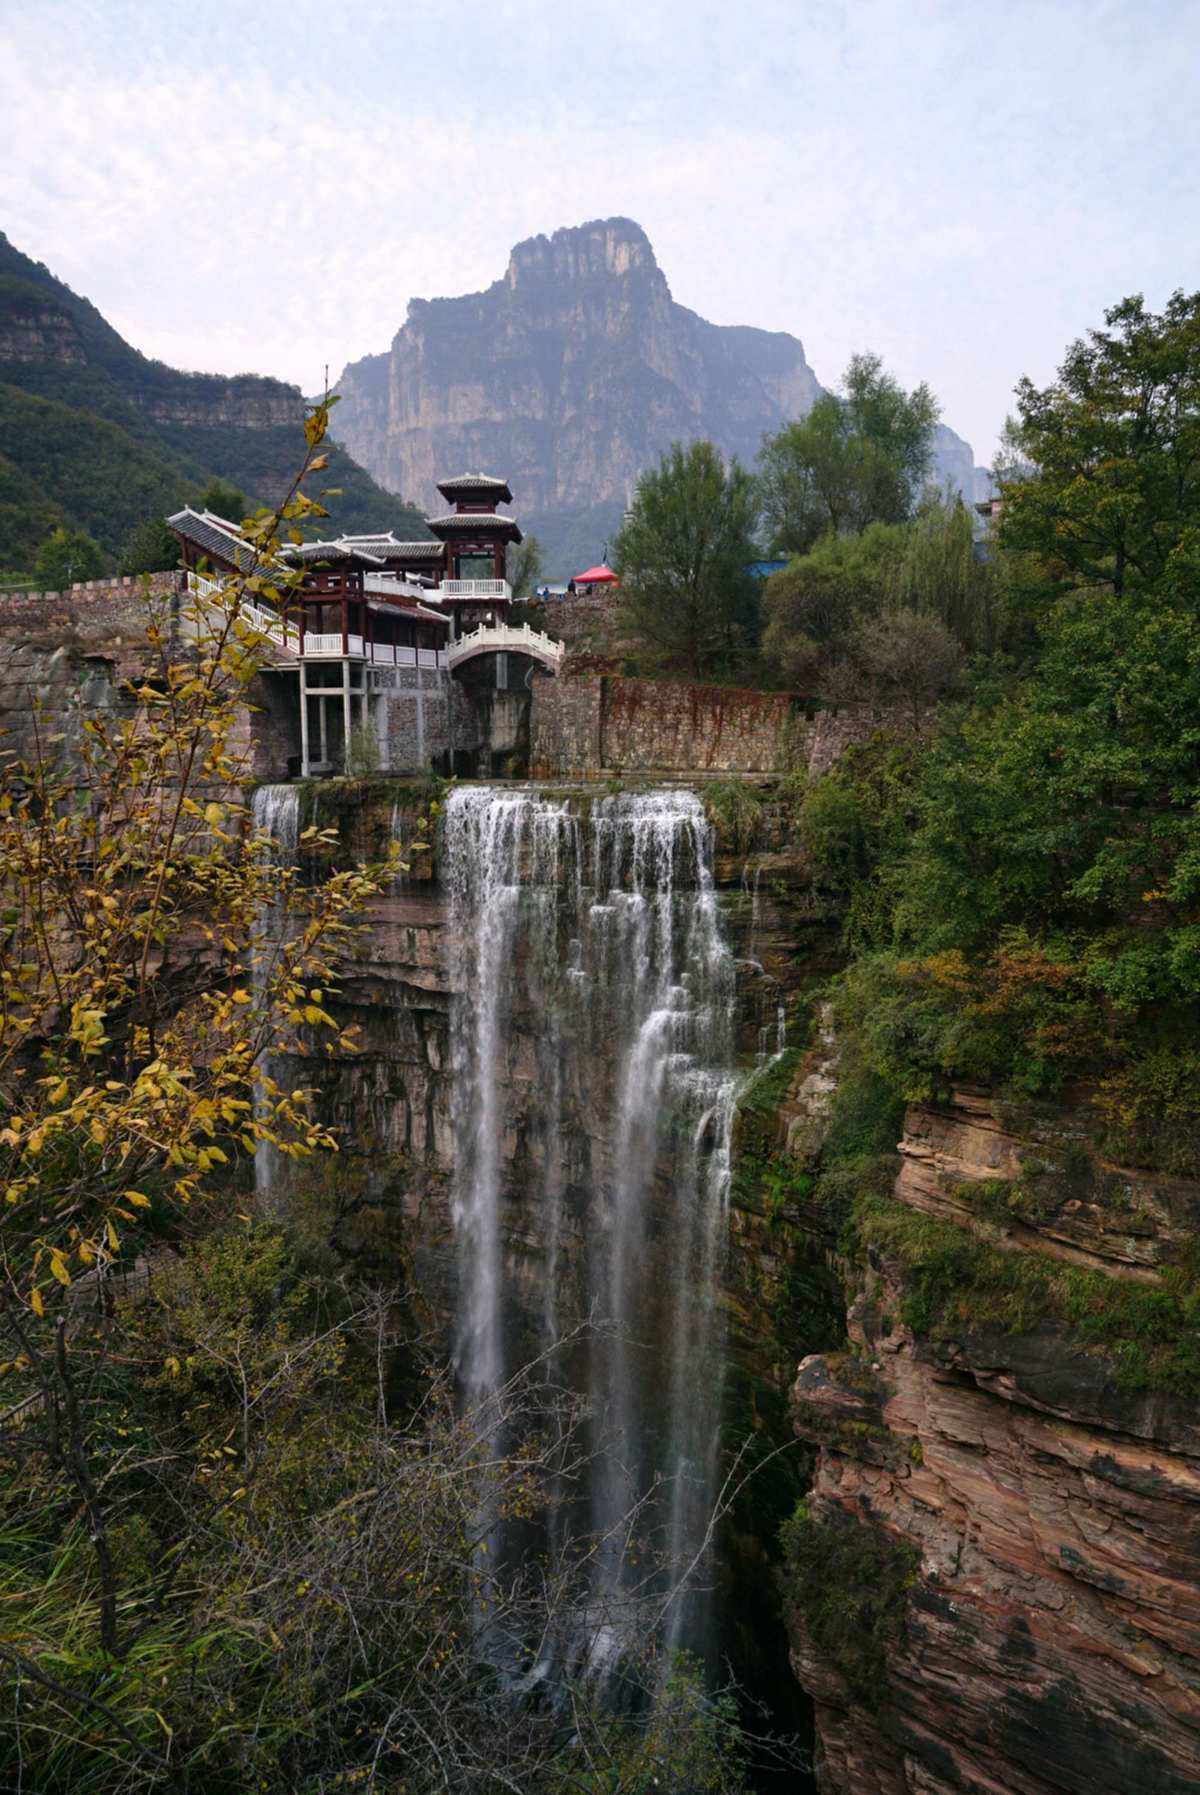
[(570, 374), (1048, 1494), (33, 331), (207, 401)]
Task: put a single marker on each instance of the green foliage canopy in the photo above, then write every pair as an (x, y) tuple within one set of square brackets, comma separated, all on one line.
[(225, 500), (855, 459), (65, 557), (523, 566), (1114, 444), (827, 610), (1036, 920), (683, 557), (149, 548)]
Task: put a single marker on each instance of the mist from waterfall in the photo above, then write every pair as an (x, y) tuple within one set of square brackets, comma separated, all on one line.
[(593, 1094)]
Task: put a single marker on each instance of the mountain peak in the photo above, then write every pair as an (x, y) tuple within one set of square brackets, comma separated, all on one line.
[(603, 246)]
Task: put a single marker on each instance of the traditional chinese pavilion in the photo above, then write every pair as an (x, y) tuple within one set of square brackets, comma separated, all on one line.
[(372, 614)]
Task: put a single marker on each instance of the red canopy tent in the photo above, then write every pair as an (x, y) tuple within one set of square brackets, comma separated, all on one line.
[(596, 576)]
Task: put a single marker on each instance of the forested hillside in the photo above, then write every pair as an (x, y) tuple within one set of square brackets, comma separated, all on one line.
[(96, 436)]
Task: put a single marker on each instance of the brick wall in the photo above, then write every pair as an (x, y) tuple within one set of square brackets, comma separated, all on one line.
[(564, 730)]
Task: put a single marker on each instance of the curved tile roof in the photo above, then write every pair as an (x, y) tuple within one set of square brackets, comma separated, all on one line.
[(476, 483), (477, 523)]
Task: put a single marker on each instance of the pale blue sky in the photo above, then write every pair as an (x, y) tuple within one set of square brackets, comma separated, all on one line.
[(264, 186)]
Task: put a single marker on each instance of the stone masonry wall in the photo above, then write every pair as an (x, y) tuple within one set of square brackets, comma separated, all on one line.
[(75, 654), (586, 727), (419, 717)]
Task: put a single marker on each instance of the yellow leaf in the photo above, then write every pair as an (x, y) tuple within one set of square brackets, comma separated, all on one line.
[(59, 1268), (136, 1198), (114, 1239), (35, 1301)]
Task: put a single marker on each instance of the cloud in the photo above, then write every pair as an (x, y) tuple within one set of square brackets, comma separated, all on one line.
[(269, 193)]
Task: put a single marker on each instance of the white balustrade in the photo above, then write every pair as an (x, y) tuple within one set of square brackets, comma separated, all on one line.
[(481, 589), (506, 638), (322, 644)]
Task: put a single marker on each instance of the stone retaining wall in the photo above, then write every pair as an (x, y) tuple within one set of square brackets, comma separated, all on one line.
[(589, 726)]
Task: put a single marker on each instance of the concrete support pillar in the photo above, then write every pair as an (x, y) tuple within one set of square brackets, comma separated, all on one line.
[(304, 760), (346, 713)]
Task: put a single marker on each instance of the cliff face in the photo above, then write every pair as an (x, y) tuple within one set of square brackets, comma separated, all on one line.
[(571, 372), (1044, 1496)]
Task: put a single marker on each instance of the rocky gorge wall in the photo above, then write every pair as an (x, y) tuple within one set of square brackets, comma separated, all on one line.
[(385, 1203), (1030, 1491)]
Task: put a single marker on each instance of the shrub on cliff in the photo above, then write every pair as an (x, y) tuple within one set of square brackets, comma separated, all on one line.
[(849, 1582)]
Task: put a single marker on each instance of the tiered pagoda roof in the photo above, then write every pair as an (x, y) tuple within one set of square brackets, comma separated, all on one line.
[(475, 489), (476, 523)]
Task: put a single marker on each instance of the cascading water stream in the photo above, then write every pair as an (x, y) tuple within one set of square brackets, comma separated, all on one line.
[(592, 1047)]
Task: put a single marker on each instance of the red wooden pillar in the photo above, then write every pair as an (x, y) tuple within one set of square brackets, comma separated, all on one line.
[(345, 620)]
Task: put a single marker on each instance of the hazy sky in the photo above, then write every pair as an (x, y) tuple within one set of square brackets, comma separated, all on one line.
[(962, 187)]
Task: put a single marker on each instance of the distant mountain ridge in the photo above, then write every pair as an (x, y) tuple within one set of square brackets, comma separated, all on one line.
[(569, 375), (97, 435)]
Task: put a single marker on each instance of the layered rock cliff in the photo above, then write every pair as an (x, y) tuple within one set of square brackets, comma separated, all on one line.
[(570, 374), (1006, 1507)]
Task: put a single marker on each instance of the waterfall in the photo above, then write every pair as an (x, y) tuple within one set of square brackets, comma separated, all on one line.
[(275, 813), (592, 1050)]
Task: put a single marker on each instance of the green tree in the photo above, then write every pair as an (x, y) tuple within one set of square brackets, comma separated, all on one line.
[(683, 557), (854, 459), (523, 567), (818, 605), (942, 574), (149, 548), (65, 557), (814, 603), (1043, 903), (905, 658), (1115, 447), (224, 500)]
